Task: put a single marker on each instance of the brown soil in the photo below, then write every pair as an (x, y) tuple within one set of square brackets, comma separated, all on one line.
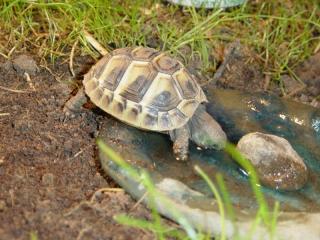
[(306, 88), (49, 173)]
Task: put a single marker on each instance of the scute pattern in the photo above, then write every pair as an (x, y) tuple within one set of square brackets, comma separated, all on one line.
[(166, 64), (99, 68), (133, 112), (106, 100), (151, 117), (176, 116), (144, 88), (122, 51), (162, 94), (136, 83), (113, 72), (187, 85), (144, 54), (164, 121)]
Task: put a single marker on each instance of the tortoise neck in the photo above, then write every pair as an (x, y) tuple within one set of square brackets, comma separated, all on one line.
[(205, 131), (198, 121)]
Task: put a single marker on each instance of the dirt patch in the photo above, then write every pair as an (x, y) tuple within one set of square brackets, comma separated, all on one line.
[(240, 70), (243, 71), (49, 171), (306, 86)]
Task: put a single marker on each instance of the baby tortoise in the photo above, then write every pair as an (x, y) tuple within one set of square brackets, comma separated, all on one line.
[(150, 90)]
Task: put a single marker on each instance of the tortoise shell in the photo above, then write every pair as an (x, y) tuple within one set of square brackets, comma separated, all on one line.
[(144, 88)]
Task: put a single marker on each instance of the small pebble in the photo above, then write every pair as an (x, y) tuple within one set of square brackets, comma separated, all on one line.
[(48, 179), (277, 164), (289, 83), (304, 98), (25, 63), (315, 103), (7, 66), (22, 125), (3, 205), (68, 148)]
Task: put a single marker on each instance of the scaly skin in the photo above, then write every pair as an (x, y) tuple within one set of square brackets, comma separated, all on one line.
[(74, 104), (180, 138)]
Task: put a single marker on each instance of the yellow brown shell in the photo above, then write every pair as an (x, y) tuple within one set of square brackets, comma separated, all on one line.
[(144, 88)]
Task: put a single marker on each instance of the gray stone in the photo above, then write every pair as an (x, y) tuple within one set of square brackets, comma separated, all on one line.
[(277, 164), (25, 63)]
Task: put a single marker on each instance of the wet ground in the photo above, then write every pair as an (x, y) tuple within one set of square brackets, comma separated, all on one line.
[(50, 176)]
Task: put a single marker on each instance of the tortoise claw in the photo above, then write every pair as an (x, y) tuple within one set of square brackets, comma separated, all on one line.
[(180, 152)]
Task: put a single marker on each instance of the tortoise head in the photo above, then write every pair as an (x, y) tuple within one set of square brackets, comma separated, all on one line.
[(205, 131)]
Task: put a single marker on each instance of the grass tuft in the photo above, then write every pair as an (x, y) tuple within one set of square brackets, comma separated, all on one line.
[(283, 33)]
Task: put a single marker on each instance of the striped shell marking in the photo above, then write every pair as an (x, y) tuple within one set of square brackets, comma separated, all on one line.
[(144, 88)]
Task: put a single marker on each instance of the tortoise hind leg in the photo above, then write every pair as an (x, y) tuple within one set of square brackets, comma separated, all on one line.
[(180, 138), (74, 104)]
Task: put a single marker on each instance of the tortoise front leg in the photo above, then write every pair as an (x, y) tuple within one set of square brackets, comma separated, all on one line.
[(74, 104), (180, 138)]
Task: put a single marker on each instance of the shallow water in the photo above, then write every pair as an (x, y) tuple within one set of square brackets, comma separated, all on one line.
[(239, 114)]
